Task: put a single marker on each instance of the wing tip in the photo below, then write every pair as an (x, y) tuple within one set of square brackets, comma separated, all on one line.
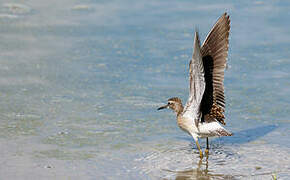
[(196, 45), (196, 37), (226, 17)]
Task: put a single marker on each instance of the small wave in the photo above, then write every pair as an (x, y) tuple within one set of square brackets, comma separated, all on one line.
[(15, 8)]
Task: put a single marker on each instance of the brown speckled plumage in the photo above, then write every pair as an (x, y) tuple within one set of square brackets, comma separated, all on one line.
[(217, 113)]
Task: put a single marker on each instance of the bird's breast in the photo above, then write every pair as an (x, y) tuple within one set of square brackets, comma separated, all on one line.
[(186, 124)]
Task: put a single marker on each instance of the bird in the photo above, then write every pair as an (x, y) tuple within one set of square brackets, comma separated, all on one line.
[(203, 114)]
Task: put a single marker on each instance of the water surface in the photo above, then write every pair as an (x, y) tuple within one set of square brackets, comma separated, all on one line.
[(80, 82)]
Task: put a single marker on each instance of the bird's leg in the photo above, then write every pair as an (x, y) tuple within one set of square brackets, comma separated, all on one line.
[(198, 147), (207, 147)]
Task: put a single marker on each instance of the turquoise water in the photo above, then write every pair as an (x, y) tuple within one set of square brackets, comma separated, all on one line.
[(80, 82)]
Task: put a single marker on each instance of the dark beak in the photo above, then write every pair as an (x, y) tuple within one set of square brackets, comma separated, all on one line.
[(163, 107)]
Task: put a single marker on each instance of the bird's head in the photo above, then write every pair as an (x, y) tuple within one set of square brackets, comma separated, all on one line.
[(173, 103)]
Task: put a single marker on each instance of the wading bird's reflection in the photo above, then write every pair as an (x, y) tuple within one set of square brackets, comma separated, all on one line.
[(201, 172)]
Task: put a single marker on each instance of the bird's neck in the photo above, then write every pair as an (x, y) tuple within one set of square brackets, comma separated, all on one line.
[(179, 110)]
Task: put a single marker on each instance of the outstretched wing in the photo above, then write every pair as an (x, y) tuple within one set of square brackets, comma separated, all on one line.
[(196, 83), (214, 55)]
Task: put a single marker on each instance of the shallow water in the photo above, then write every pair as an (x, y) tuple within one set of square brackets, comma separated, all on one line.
[(80, 82)]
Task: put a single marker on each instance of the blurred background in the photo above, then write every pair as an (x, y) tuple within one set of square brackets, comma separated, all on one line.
[(80, 82)]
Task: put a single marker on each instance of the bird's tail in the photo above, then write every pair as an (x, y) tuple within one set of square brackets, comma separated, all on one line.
[(214, 129), (223, 132)]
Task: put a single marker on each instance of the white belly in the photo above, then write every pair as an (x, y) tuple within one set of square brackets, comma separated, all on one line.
[(209, 129), (202, 131)]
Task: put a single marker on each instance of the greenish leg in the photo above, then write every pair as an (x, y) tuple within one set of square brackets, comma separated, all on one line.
[(200, 152)]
